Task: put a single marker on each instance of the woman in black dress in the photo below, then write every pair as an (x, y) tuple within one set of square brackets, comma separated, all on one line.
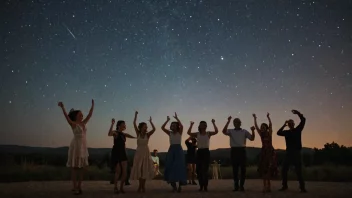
[(118, 153), (191, 144)]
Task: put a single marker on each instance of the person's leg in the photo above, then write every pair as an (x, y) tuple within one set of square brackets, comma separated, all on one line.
[(127, 181), (189, 168), (206, 169), (194, 173), (123, 175), (73, 178), (243, 166), (80, 179), (117, 175), (298, 168), (235, 167), (139, 185), (285, 167), (199, 171), (143, 185)]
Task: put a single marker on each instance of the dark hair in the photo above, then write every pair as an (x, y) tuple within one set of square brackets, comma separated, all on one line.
[(201, 122), (73, 114), (177, 126), (266, 125), (140, 125), (119, 123), (155, 150)]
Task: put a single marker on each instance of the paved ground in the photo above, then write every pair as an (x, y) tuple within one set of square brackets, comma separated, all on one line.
[(159, 189)]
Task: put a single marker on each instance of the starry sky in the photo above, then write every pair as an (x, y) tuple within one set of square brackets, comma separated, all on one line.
[(203, 59)]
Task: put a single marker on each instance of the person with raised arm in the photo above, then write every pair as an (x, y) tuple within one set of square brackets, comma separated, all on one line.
[(175, 165), (267, 164), (191, 144), (203, 153), (118, 153), (78, 150), (143, 165), (293, 149), (238, 137)]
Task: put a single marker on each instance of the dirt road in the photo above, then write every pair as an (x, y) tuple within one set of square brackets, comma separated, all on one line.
[(159, 189)]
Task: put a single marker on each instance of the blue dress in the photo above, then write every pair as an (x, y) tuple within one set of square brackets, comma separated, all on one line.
[(175, 165)]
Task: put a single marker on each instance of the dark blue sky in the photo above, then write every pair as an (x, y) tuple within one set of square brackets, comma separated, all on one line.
[(202, 58)]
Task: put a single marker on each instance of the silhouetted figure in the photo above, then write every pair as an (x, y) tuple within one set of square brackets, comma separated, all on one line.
[(175, 165), (203, 153), (118, 153), (267, 167), (78, 151), (191, 144), (293, 150), (143, 165), (238, 137), (156, 161)]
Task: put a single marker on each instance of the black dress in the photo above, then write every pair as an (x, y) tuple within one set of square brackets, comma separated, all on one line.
[(191, 153), (118, 153)]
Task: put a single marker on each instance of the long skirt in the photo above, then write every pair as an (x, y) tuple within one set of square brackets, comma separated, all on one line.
[(175, 165), (268, 162)]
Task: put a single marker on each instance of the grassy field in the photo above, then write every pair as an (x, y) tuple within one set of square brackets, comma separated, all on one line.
[(51, 173)]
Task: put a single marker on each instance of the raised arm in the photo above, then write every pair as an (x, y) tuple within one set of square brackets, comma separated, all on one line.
[(255, 122), (281, 131), (153, 127), (302, 118), (216, 130), (224, 130), (70, 122), (189, 132), (270, 124), (164, 125), (179, 123), (129, 136), (112, 132), (251, 137), (85, 121), (135, 123)]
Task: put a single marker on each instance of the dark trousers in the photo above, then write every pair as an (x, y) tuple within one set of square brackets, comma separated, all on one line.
[(203, 159), (238, 160), (293, 158)]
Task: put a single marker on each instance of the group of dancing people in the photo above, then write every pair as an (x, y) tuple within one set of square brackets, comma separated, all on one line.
[(198, 154)]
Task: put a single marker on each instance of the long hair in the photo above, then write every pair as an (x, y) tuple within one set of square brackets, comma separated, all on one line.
[(266, 126), (118, 124), (140, 125), (73, 114), (201, 122)]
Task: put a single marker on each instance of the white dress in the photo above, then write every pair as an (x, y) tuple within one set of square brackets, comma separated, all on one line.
[(143, 165), (78, 151)]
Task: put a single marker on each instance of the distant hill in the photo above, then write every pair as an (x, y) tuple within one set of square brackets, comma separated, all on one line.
[(222, 153)]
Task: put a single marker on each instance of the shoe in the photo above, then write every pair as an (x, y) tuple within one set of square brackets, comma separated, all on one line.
[(242, 189), (284, 188), (303, 190)]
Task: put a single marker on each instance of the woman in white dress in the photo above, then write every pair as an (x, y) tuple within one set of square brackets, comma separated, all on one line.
[(78, 151), (143, 165)]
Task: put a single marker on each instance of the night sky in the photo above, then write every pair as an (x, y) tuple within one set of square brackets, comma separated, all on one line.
[(203, 59)]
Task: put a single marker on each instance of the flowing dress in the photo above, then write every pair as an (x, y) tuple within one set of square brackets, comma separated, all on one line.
[(175, 164), (78, 151), (143, 165), (268, 161)]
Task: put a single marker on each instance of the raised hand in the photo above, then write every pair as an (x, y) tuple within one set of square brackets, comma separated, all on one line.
[(112, 121), (268, 115), (136, 113), (213, 120), (175, 116), (229, 118), (60, 104), (254, 116), (168, 118), (252, 128), (295, 112), (286, 122), (92, 101), (192, 122), (150, 119)]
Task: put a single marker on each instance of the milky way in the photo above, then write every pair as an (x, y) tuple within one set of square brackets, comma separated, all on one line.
[(202, 58)]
